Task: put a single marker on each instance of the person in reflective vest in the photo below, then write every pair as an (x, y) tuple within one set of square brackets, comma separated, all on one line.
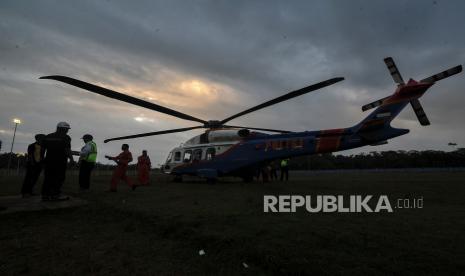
[(143, 168), (285, 169), (87, 159)]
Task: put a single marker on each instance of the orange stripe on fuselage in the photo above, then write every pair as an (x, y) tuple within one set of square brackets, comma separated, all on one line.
[(329, 140), (328, 144)]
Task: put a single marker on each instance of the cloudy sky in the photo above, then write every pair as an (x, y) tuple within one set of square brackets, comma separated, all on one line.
[(212, 59)]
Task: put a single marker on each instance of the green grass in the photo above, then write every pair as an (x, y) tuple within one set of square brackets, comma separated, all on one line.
[(160, 229)]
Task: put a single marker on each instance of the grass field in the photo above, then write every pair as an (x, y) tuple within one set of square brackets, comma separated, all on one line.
[(161, 228)]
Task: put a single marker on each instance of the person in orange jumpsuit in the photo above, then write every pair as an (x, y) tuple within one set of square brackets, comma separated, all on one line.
[(122, 161), (143, 168)]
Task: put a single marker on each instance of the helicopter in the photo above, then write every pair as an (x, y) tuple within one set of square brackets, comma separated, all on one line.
[(230, 150)]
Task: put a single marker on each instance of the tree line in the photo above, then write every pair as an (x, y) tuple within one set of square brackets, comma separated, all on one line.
[(381, 160)]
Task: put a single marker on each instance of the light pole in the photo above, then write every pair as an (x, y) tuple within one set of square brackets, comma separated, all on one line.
[(17, 122)]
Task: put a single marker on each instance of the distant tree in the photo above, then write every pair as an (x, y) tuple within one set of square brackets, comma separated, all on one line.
[(381, 160)]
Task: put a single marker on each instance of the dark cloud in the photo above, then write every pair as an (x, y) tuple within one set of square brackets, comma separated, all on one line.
[(243, 52)]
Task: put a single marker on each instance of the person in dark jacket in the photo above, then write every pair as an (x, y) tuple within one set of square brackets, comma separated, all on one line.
[(57, 148), (274, 170), (35, 155)]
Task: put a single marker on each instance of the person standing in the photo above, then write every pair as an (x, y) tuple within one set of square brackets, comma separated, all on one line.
[(143, 168), (57, 150), (34, 166), (265, 173), (122, 161), (273, 171), (87, 159), (285, 169)]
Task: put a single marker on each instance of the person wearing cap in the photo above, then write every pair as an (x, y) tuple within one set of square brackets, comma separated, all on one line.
[(57, 150), (34, 166), (87, 159)]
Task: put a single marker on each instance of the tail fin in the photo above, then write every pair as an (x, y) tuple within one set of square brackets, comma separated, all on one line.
[(382, 116), (376, 128)]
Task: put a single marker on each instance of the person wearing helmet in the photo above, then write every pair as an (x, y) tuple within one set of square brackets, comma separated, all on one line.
[(87, 159), (57, 149), (34, 166)]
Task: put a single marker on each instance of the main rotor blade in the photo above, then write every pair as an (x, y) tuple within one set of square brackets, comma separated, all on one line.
[(152, 133), (393, 70), (122, 97), (444, 74), (256, 128), (285, 97)]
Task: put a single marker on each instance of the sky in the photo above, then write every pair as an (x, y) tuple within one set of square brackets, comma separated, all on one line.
[(212, 59)]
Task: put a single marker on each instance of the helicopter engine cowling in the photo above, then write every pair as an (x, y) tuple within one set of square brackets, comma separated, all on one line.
[(224, 135)]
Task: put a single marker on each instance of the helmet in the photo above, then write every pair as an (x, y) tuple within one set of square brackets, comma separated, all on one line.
[(87, 137), (63, 125)]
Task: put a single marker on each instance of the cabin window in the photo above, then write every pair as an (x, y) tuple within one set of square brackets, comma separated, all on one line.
[(187, 156), (210, 154), (177, 156), (197, 155)]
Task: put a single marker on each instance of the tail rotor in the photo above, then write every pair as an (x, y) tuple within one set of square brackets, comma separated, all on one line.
[(414, 102)]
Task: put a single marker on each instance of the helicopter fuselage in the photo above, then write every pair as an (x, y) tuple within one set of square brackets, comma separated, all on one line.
[(242, 157)]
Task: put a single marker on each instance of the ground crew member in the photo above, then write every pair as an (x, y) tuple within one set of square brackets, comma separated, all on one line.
[(285, 169), (87, 159), (143, 168), (265, 173), (273, 170), (57, 149), (34, 166), (122, 161)]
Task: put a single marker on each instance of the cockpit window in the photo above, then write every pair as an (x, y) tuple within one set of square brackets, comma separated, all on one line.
[(197, 154), (187, 156), (210, 154), (177, 156), (169, 157)]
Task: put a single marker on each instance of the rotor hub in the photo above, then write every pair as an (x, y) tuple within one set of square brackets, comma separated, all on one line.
[(213, 124)]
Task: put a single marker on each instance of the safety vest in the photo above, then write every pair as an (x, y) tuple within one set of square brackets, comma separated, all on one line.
[(92, 156), (284, 162)]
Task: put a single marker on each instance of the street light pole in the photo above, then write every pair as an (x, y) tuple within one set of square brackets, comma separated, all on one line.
[(17, 122)]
